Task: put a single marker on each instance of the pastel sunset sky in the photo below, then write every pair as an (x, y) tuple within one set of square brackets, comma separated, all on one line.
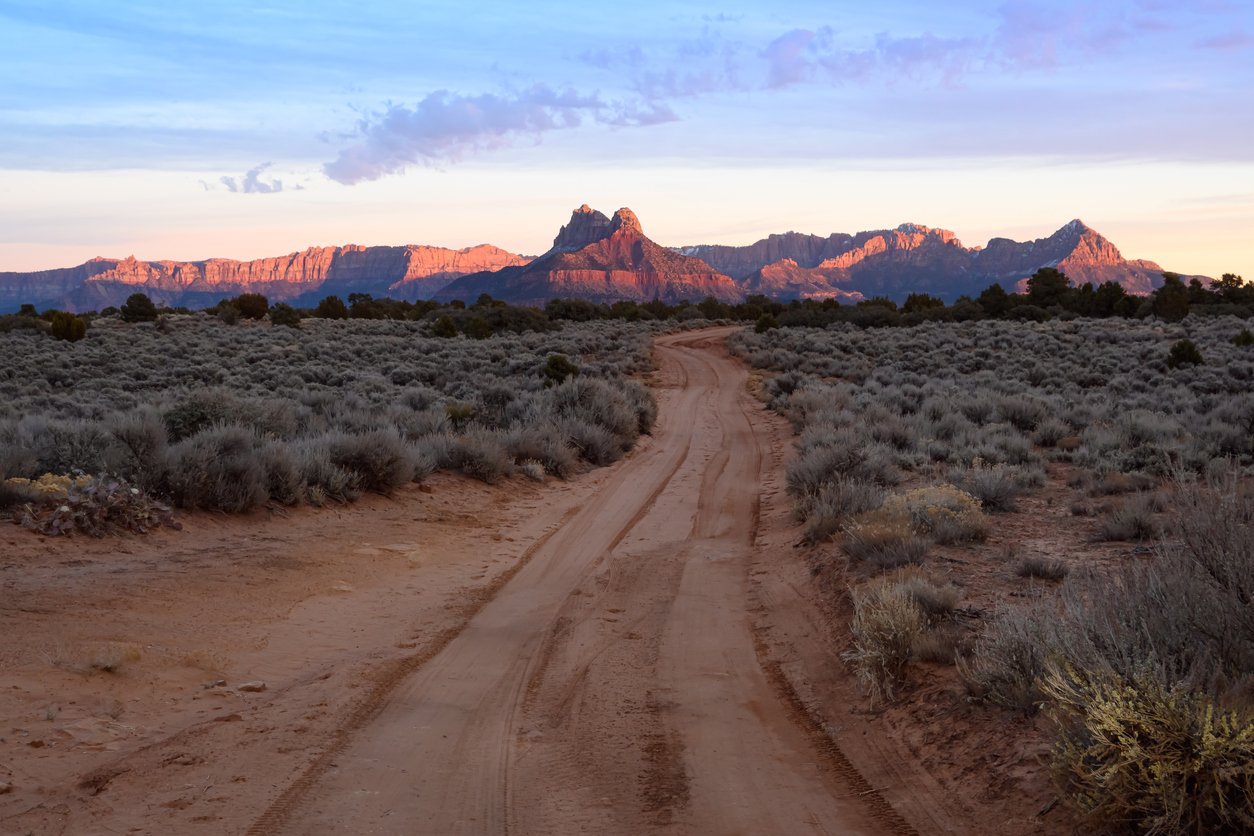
[(247, 129)]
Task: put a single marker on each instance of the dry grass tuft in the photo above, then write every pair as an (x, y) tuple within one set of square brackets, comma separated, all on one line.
[(886, 624)]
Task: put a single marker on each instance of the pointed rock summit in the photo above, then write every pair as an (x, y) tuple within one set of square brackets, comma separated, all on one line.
[(586, 226), (603, 260)]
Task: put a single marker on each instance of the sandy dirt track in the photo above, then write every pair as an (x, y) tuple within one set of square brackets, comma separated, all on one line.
[(612, 686), (586, 657)]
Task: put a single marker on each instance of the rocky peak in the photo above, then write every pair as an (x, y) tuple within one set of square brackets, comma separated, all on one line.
[(626, 219), (586, 226)]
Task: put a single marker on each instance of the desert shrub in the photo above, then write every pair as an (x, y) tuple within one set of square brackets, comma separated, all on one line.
[(835, 504), (200, 410), (138, 308), (1007, 660), (141, 443), (379, 461), (1158, 759), (641, 401), (37, 446), (1050, 431), (546, 445), (1130, 520), (444, 327), (557, 368), (886, 624), (68, 327), (331, 307), (595, 443), (14, 493), (885, 541), (285, 479), (940, 647), (459, 414), (1038, 566), (251, 305), (995, 487), (1022, 412), (285, 315), (1111, 484), (324, 480), (1243, 339), (481, 456), (217, 469), (842, 457), (596, 402), (941, 512), (96, 507), (936, 600), (1184, 353)]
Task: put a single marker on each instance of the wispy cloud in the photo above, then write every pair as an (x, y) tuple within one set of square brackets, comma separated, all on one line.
[(444, 127), (1230, 42), (251, 182)]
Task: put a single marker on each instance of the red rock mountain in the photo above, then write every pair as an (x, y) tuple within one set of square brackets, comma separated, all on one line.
[(603, 260), (914, 258), (410, 272)]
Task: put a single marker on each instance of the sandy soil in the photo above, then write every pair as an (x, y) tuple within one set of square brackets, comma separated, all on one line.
[(640, 649)]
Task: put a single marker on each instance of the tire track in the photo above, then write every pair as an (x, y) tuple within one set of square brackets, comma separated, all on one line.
[(386, 681)]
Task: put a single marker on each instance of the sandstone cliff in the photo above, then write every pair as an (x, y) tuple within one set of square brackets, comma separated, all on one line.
[(409, 272), (917, 259)]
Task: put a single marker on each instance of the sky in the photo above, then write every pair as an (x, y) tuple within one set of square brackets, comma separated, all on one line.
[(251, 129)]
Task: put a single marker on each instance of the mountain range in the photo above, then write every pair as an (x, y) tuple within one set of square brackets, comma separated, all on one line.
[(603, 259)]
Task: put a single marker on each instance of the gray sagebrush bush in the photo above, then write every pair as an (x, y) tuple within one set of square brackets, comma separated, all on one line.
[(379, 460), (217, 469), (1006, 662)]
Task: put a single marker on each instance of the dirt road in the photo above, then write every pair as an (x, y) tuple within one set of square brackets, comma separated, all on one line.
[(580, 658), (612, 686)]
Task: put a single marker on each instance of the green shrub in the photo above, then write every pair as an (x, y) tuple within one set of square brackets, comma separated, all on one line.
[(557, 368), (1244, 339), (285, 315), (1184, 353), (251, 305), (444, 327), (138, 308), (68, 327), (332, 307)]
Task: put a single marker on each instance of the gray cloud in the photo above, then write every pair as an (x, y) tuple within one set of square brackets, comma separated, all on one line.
[(444, 127), (251, 182)]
